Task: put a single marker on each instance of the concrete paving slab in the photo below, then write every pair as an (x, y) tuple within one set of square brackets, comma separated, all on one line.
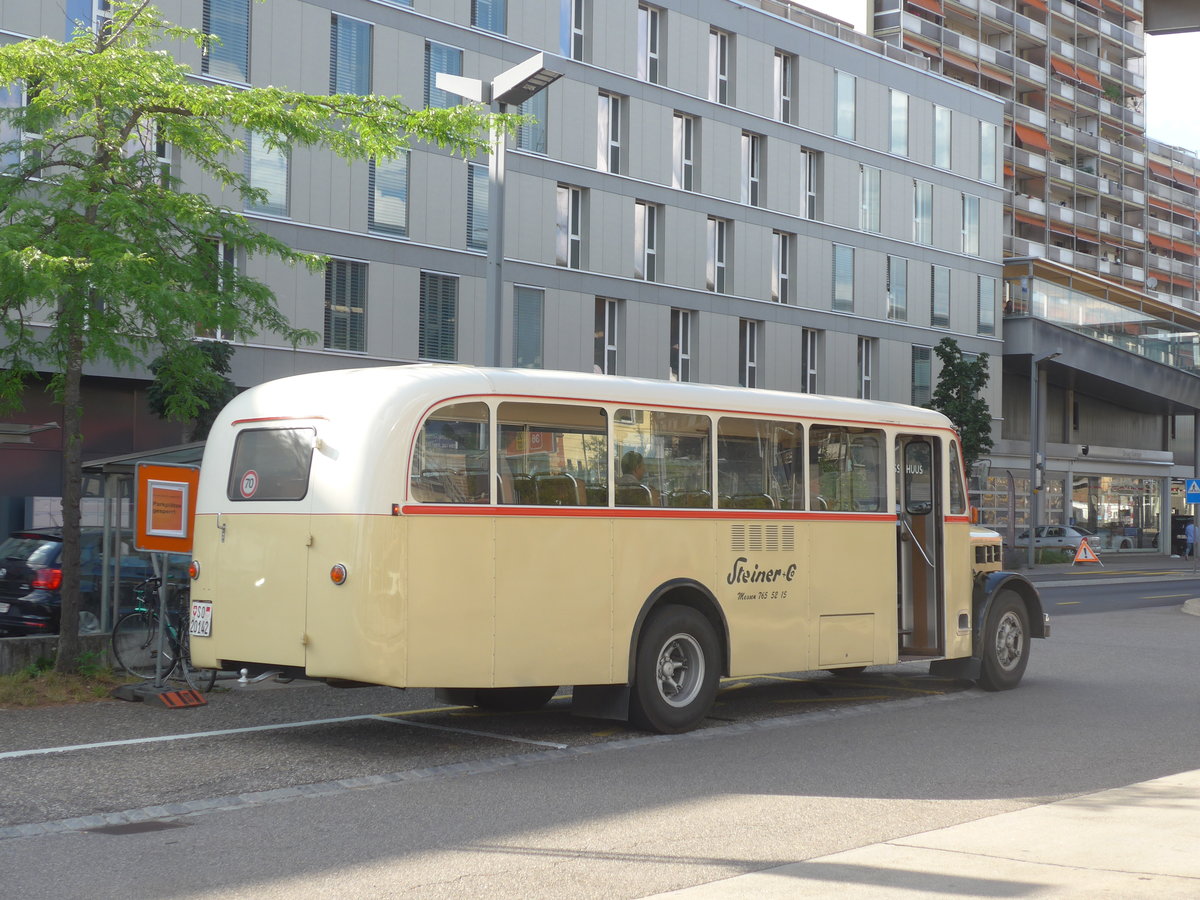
[(1130, 842)]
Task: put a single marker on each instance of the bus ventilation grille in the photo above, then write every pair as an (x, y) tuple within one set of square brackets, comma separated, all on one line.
[(760, 537)]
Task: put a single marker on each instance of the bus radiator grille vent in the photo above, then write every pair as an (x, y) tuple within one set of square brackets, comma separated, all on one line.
[(762, 537)]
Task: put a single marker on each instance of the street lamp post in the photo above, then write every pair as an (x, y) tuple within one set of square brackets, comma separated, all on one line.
[(1037, 429), (512, 87)]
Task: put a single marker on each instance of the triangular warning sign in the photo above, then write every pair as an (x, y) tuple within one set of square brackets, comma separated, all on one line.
[(1085, 553)]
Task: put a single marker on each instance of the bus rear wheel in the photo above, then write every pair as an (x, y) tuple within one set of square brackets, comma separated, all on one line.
[(519, 699), (676, 673), (1005, 644)]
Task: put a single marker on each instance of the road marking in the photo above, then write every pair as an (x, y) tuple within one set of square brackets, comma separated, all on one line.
[(249, 729), (255, 799), (1164, 597), (396, 720), (1069, 603)]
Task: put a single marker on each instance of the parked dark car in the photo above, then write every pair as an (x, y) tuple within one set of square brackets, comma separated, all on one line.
[(31, 580)]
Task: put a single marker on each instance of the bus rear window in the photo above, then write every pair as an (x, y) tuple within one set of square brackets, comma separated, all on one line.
[(271, 464)]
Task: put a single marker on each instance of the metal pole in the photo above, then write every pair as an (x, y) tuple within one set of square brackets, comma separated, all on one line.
[(494, 317), (1033, 454)]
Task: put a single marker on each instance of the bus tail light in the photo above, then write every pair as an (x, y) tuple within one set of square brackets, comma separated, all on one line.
[(338, 574), (194, 569)]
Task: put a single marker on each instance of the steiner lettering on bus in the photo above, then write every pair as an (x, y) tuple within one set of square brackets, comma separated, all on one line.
[(743, 575)]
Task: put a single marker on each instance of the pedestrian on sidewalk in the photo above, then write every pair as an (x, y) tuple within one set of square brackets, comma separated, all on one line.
[(1189, 537)]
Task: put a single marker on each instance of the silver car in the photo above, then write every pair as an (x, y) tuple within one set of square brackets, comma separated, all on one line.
[(1063, 537)]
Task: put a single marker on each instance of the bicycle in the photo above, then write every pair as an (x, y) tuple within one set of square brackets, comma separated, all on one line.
[(135, 638)]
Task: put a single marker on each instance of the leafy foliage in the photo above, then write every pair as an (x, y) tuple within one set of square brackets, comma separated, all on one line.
[(959, 396), (199, 370), (106, 256)]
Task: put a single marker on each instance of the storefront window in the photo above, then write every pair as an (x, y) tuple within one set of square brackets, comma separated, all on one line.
[(1123, 510)]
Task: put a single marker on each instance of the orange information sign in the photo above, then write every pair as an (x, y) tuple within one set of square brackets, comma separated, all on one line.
[(165, 499), (1086, 554)]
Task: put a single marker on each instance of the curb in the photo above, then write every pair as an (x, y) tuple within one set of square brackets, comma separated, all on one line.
[(1192, 607)]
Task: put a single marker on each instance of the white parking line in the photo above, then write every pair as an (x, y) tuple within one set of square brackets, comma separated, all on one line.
[(45, 751)]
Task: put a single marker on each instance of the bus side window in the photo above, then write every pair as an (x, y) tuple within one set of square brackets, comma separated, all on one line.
[(958, 496), (846, 469), (552, 454), (450, 459), (757, 464), (662, 459)]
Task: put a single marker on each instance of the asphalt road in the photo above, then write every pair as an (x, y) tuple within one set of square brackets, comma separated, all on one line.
[(544, 805)]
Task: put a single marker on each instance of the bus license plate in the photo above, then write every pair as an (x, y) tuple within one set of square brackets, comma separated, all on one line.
[(201, 625)]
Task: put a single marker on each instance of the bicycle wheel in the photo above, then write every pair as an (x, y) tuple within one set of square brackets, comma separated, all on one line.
[(198, 679), (135, 645)]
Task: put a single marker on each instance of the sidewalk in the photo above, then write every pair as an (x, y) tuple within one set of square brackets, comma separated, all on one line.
[(1135, 841)]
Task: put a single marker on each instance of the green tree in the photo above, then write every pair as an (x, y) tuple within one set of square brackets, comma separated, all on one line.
[(204, 379), (959, 396), (103, 256)]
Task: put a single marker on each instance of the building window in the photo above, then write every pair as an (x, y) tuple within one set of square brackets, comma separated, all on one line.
[(748, 353), (897, 288), (223, 258), (986, 321), (785, 68), (267, 171), (899, 129), (718, 66), (939, 308), (477, 206), (438, 337), (346, 305), (846, 86), (440, 58), (941, 137), (808, 360), (866, 367), (681, 345), (781, 267), (569, 228), (649, 24), (349, 56), (228, 57), (716, 269), (489, 15), (843, 278), (605, 358), (532, 135), (868, 198), (922, 376), (970, 225), (752, 153), (810, 171), (922, 212), (387, 197), (528, 303), (608, 133), (573, 22), (988, 166), (645, 241), (683, 153)]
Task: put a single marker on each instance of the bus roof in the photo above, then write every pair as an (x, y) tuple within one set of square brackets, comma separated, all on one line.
[(325, 394)]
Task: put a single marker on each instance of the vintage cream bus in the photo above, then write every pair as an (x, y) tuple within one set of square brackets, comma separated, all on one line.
[(495, 534)]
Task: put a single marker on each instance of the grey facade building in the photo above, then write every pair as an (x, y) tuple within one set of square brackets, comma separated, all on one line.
[(718, 191)]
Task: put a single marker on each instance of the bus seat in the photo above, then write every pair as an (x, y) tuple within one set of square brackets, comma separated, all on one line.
[(557, 490), (634, 495), (690, 499), (597, 495), (751, 501), (523, 487)]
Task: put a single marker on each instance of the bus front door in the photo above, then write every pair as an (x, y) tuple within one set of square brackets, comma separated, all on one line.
[(919, 548)]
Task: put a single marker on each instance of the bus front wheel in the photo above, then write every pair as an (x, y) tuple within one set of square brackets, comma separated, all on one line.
[(518, 699), (1005, 644), (678, 665)]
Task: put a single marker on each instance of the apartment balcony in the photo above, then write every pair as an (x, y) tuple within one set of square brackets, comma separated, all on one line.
[(1017, 246), (1033, 205), (1030, 71), (1172, 195), (1171, 230), (1123, 35), (1027, 115), (1024, 159), (1123, 76), (1073, 13), (1028, 26)]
